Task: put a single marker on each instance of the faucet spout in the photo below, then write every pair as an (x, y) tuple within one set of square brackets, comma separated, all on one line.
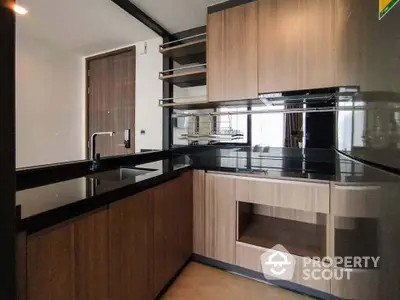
[(92, 145)]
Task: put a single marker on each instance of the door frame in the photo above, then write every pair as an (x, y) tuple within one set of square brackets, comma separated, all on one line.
[(87, 61)]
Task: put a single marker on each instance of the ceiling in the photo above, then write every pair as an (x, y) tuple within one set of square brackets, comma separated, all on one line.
[(85, 27), (176, 15)]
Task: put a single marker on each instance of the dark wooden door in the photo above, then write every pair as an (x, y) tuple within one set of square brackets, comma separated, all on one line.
[(111, 100)]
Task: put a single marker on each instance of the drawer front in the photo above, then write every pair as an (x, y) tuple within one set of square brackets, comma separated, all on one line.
[(363, 284), (356, 201), (248, 256), (306, 196)]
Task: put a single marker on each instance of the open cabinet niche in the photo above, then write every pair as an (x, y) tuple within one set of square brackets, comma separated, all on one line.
[(302, 233)]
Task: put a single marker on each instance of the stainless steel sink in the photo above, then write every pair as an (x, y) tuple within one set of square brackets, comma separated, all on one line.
[(120, 174)]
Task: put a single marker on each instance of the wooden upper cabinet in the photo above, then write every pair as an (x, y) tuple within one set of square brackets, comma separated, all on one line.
[(297, 44), (215, 56), (232, 38)]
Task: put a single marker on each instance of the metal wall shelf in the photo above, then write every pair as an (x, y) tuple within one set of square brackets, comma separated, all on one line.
[(188, 50), (186, 76), (272, 99)]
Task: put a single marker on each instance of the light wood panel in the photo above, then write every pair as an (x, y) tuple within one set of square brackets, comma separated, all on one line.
[(220, 218), (232, 60), (290, 214), (131, 248), (198, 212), (48, 253), (279, 50), (299, 238), (306, 196), (356, 201), (199, 282), (363, 284), (91, 257), (240, 52), (249, 257), (297, 40), (215, 56)]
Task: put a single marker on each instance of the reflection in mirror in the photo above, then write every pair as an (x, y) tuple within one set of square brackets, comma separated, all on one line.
[(59, 105)]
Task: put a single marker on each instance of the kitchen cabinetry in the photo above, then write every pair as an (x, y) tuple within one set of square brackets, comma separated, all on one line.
[(198, 212), (131, 247), (129, 250), (69, 261), (297, 45), (232, 53), (220, 217), (246, 216), (173, 215)]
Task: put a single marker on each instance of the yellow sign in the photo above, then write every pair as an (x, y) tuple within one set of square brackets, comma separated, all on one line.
[(385, 6)]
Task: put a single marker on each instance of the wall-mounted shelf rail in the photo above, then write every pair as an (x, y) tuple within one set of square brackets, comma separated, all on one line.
[(186, 76), (272, 99), (187, 50)]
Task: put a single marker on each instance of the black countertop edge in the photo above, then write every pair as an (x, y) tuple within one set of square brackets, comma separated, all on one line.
[(371, 164), (28, 178), (61, 214)]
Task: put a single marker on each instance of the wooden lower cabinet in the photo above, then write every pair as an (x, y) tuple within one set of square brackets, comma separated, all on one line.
[(198, 212), (249, 257), (220, 217), (173, 240), (129, 251), (69, 261), (131, 247)]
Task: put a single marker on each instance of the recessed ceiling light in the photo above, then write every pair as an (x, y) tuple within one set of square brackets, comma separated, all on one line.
[(20, 10)]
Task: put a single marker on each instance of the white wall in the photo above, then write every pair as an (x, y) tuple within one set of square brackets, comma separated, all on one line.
[(51, 106), (49, 102), (148, 92)]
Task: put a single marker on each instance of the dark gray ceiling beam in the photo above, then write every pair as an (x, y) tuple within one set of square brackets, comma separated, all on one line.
[(141, 16)]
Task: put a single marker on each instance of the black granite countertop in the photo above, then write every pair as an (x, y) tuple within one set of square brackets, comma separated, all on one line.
[(46, 205), (315, 164), (43, 206)]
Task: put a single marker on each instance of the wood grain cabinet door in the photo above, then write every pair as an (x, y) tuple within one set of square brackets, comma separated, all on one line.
[(240, 52), (232, 53), (215, 56), (297, 44), (173, 219), (220, 218), (50, 264), (69, 261), (131, 247)]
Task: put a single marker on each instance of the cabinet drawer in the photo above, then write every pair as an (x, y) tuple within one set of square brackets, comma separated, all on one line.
[(356, 201), (363, 284), (306, 196), (249, 257)]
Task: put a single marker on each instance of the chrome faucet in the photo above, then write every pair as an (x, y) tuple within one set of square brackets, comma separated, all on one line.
[(95, 157)]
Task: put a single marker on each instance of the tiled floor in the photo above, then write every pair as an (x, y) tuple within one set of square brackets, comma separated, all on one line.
[(199, 282)]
